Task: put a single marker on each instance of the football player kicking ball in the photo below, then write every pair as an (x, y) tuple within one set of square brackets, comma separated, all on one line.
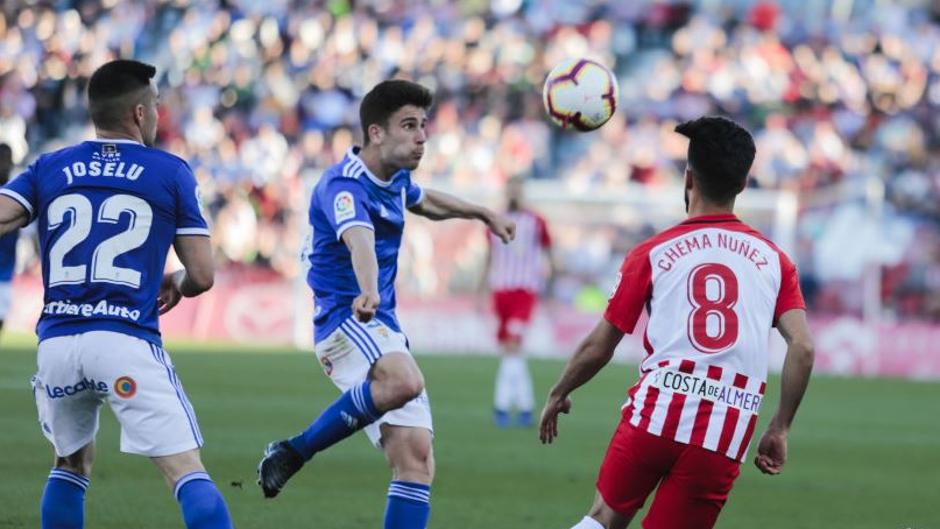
[(108, 210), (714, 287), (358, 214)]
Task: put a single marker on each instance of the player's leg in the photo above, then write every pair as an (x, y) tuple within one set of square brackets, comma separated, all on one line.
[(372, 367), (394, 380), (603, 516), (68, 405), (157, 420), (503, 387), (523, 397), (63, 498), (692, 495), (201, 503), (635, 462), (410, 455)]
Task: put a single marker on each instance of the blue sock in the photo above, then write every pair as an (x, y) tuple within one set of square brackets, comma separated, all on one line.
[(202, 504), (63, 501), (351, 412), (409, 505)]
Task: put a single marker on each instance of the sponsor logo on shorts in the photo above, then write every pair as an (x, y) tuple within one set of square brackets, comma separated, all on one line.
[(125, 387), (344, 208), (85, 384)]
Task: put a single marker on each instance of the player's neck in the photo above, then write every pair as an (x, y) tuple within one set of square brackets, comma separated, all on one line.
[(115, 134), (373, 160), (700, 208)]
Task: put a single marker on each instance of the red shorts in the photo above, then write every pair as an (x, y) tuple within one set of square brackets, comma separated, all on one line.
[(514, 310), (693, 482)]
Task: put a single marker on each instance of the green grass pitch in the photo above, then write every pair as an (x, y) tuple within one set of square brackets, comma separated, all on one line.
[(864, 453)]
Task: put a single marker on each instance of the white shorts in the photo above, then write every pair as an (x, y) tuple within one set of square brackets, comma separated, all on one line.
[(78, 373), (347, 356), (6, 294)]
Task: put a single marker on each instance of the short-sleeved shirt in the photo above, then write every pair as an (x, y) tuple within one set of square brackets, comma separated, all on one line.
[(519, 264), (108, 211), (8, 256), (349, 195), (714, 288)]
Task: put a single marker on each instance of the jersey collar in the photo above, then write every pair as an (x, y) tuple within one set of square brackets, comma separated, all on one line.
[(115, 140), (353, 153), (711, 219)]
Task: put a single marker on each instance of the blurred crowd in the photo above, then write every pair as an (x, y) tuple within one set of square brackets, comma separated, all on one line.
[(261, 97)]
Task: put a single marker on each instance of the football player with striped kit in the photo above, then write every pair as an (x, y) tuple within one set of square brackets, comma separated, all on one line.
[(516, 274), (714, 288), (357, 213), (108, 210)]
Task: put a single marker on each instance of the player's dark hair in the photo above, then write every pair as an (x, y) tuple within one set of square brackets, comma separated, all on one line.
[(115, 87), (720, 154), (387, 98)]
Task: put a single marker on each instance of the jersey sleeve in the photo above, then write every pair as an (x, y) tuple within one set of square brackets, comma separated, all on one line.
[(414, 194), (633, 290), (545, 239), (189, 218), (24, 190), (790, 296), (344, 204)]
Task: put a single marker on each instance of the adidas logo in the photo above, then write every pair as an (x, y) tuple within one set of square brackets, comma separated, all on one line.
[(350, 421)]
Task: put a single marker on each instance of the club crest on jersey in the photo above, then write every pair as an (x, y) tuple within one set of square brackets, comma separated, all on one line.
[(327, 366), (125, 387), (344, 208)]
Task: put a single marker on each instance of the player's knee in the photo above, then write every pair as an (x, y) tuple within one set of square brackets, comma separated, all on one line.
[(76, 463), (405, 388), (414, 459)]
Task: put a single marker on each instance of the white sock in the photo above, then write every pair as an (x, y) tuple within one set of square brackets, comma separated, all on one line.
[(522, 385), (503, 394), (588, 523)]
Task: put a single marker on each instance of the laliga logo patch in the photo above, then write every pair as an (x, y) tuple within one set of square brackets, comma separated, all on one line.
[(343, 207), (125, 387)]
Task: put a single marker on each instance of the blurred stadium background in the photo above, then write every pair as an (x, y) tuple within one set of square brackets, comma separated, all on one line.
[(260, 97)]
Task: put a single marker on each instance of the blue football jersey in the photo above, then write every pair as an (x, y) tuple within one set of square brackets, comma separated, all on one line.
[(108, 211), (348, 195), (7, 256)]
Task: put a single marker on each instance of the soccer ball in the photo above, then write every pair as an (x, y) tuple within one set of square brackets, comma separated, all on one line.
[(580, 94)]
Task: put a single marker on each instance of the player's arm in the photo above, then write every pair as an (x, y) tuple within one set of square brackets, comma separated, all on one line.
[(361, 243), (772, 448), (592, 354), (197, 275), (12, 215), (437, 205)]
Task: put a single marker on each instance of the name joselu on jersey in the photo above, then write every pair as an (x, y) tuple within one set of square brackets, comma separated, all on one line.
[(701, 241), (98, 168)]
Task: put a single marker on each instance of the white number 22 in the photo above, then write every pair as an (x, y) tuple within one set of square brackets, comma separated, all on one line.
[(80, 215)]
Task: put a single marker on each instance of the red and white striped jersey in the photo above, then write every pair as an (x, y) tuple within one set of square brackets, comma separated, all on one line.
[(519, 265), (714, 288)]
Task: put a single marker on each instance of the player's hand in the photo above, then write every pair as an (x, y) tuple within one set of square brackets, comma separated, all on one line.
[(772, 451), (502, 227), (548, 425), (365, 305), (170, 293)]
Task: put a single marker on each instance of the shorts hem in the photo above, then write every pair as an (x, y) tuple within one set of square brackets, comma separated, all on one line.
[(163, 451)]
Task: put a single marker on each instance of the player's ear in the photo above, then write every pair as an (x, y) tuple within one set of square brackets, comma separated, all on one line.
[(376, 133), (139, 113), (689, 179)]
